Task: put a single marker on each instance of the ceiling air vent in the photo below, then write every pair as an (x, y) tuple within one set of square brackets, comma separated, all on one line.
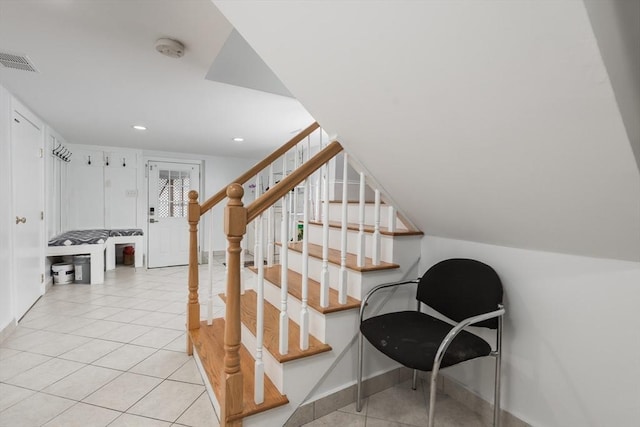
[(18, 62)]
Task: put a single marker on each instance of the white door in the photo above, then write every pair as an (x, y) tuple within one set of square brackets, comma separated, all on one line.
[(28, 206), (168, 230)]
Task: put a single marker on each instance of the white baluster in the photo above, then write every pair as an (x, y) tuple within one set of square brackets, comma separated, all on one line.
[(243, 248), (304, 312), (342, 287), (391, 226), (319, 186), (375, 253), (210, 259), (270, 224), (294, 210), (259, 365), (257, 222), (324, 278), (284, 284), (361, 246)]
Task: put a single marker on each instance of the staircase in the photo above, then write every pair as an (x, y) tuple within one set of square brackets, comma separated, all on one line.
[(294, 313)]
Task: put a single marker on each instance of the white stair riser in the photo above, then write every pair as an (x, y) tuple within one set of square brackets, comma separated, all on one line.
[(335, 241), (354, 278), (353, 214), (293, 377)]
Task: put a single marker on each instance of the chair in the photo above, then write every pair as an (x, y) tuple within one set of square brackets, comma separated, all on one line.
[(464, 290)]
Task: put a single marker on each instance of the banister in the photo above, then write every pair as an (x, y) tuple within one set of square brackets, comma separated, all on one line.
[(220, 195), (287, 184)]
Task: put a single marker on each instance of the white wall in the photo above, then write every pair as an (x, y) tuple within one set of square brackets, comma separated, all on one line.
[(571, 343), (6, 305)]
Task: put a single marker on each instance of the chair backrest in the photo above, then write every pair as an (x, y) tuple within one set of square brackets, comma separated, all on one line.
[(461, 288)]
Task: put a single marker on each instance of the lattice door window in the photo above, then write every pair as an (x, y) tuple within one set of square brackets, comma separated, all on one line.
[(173, 190)]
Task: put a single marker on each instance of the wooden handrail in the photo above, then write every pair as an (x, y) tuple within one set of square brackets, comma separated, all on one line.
[(220, 195), (296, 177)]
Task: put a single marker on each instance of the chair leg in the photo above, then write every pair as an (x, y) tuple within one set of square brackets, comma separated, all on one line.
[(432, 396), (414, 384), (359, 374), (498, 354)]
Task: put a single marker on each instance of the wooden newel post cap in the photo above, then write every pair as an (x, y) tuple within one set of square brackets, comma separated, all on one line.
[(235, 214), (235, 191), (193, 196)]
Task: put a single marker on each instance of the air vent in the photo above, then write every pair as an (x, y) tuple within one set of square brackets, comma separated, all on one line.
[(18, 62)]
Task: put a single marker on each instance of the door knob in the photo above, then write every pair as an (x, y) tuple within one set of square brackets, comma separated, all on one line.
[(21, 220)]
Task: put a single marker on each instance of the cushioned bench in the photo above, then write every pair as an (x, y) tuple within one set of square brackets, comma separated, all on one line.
[(94, 243), (79, 242)]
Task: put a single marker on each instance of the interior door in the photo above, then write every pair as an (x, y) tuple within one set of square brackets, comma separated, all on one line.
[(168, 230), (28, 206)]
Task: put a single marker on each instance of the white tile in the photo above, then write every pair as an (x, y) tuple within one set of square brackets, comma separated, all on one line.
[(175, 308), (127, 316), (34, 411), (61, 345), (188, 373), (125, 357), (101, 312), (83, 415), (29, 341), (69, 325), (123, 391), (128, 420), (154, 319), (342, 419), (126, 333), (82, 383), (157, 337), (167, 401), (178, 322), (97, 329), (179, 344), (45, 374), (161, 364), (200, 414), (12, 366), (91, 351), (10, 395), (43, 322)]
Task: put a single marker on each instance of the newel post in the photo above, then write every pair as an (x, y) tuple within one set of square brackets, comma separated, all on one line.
[(235, 226), (193, 305)]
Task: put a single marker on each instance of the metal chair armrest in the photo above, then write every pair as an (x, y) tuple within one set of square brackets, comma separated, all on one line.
[(459, 327), (379, 287)]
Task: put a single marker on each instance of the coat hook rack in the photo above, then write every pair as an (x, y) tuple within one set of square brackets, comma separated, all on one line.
[(62, 152)]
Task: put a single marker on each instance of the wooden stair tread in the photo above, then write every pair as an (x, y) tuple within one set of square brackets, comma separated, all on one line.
[(370, 229), (334, 258), (294, 286), (272, 330), (208, 342)]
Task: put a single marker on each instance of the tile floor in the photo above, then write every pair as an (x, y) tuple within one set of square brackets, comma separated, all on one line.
[(113, 355)]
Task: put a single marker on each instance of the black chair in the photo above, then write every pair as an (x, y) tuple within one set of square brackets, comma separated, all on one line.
[(464, 290)]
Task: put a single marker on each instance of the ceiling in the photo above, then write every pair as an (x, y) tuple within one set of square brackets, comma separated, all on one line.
[(98, 74), (485, 121)]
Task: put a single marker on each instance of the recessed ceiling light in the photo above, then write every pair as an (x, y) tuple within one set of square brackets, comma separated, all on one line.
[(238, 139), (139, 127)]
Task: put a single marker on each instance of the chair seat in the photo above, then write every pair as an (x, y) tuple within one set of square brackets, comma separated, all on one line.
[(412, 338)]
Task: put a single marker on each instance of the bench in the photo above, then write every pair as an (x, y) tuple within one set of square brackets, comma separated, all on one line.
[(95, 243), (129, 236)]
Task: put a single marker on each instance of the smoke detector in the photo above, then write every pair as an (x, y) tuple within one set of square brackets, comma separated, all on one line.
[(170, 48)]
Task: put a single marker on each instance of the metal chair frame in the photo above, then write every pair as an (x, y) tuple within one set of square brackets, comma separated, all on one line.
[(456, 329)]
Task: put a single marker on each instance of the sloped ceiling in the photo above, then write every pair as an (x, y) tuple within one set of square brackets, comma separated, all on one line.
[(486, 121)]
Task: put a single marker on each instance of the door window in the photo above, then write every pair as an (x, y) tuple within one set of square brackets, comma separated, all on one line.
[(173, 191)]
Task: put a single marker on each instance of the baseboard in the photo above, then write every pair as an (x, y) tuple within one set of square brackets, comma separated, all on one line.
[(310, 411), (8, 330)]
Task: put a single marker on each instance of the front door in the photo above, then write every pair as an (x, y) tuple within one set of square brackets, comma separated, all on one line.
[(168, 231), (28, 205)]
